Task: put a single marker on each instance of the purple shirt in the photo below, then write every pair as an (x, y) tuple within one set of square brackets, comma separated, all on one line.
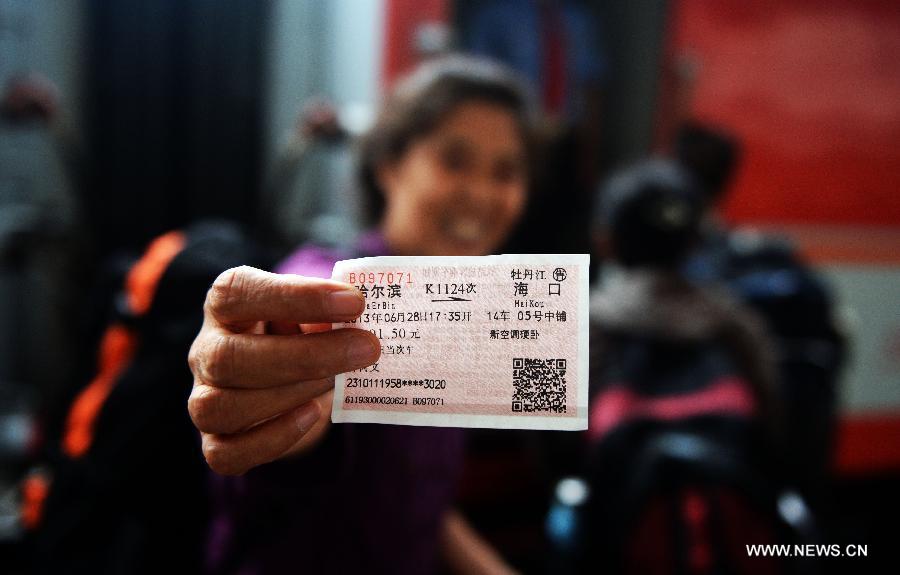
[(369, 499)]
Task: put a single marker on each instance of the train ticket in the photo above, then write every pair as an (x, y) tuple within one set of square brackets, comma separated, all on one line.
[(491, 341)]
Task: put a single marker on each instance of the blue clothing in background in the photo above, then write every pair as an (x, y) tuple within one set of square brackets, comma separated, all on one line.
[(514, 32)]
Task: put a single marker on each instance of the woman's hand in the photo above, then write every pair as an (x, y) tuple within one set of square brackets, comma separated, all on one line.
[(264, 363)]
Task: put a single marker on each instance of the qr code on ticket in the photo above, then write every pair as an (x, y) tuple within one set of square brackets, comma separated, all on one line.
[(539, 385)]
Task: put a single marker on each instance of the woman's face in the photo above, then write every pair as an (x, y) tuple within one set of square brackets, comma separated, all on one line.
[(460, 189)]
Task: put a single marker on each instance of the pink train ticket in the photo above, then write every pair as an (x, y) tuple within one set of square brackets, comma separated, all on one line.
[(491, 341)]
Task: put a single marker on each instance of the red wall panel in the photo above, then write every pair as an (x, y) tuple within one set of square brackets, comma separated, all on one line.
[(812, 88)]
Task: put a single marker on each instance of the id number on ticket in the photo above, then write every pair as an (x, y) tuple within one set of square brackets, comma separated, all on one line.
[(490, 341)]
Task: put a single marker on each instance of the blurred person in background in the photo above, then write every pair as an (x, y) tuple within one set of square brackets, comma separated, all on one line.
[(650, 217), (446, 168), (34, 98), (678, 471), (44, 233), (770, 277), (317, 127)]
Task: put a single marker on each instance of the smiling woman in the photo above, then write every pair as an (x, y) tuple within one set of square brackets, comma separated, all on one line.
[(446, 171), (445, 168), (461, 187)]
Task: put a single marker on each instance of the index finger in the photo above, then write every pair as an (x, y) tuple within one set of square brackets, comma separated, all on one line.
[(248, 294)]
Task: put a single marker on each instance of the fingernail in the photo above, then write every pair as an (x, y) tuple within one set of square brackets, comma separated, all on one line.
[(307, 415), (361, 351), (346, 302)]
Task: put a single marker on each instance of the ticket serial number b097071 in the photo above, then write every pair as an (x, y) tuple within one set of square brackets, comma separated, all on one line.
[(379, 277), (479, 358)]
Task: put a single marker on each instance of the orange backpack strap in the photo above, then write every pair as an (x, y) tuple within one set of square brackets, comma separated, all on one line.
[(144, 276), (119, 343), (35, 488)]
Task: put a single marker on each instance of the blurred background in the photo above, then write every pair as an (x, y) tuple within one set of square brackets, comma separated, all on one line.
[(122, 121)]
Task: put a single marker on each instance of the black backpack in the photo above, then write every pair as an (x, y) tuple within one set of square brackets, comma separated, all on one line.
[(679, 474), (124, 492)]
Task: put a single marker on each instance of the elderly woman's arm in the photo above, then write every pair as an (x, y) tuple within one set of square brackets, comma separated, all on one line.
[(466, 552)]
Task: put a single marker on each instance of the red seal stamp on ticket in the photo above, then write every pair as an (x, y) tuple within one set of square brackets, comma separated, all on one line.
[(489, 341)]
